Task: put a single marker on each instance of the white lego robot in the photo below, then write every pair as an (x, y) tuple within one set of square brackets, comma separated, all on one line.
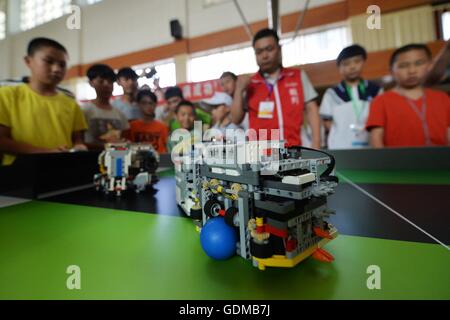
[(273, 197), (126, 166)]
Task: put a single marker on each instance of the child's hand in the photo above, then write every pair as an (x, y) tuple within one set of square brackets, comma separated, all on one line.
[(79, 147), (112, 136), (54, 150), (113, 139)]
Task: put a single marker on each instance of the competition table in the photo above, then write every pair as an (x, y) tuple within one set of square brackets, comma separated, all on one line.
[(392, 210)]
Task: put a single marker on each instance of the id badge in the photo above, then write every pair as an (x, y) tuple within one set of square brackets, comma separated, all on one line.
[(357, 129), (360, 138), (265, 110)]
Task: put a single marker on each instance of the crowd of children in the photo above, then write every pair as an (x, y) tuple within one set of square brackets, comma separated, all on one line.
[(37, 117)]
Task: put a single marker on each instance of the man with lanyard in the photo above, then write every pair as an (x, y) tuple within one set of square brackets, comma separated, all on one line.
[(276, 98), (410, 115), (345, 108)]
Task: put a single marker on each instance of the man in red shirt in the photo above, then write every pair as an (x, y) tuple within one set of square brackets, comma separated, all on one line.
[(410, 115), (276, 97)]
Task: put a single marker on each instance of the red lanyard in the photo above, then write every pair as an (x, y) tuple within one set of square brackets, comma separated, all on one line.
[(422, 116)]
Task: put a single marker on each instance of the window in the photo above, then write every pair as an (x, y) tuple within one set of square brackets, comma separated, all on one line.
[(208, 67), (445, 20), (165, 72), (2, 19), (2, 25), (315, 47), (92, 1), (36, 12), (84, 91), (307, 48)]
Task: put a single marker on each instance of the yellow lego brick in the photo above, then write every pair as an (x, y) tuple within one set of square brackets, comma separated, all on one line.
[(283, 262)]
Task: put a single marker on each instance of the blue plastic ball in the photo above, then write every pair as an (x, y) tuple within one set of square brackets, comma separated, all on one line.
[(218, 239)]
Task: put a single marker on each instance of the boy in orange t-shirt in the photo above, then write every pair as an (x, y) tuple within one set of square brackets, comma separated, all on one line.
[(149, 130), (410, 115)]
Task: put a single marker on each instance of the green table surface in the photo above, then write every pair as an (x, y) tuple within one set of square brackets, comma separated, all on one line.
[(129, 255), (126, 255), (432, 177)]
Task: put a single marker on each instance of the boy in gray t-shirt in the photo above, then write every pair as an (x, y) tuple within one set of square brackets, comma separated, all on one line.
[(127, 79), (105, 123)]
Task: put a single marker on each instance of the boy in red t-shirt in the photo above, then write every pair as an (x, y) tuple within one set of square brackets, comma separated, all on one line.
[(410, 115), (149, 130)]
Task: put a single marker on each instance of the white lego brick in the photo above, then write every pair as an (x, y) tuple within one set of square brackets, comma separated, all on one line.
[(217, 170), (299, 180), (231, 172)]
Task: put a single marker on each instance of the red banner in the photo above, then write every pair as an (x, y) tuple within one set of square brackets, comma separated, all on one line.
[(192, 91), (196, 91)]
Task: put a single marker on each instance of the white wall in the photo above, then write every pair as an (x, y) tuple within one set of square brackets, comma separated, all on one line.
[(4, 59), (224, 15), (116, 27), (55, 29)]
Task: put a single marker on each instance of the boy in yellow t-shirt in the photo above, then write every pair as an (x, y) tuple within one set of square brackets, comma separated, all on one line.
[(35, 117)]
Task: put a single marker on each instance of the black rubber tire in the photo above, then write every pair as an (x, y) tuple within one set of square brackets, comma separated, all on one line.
[(229, 216), (210, 206), (261, 251), (196, 214)]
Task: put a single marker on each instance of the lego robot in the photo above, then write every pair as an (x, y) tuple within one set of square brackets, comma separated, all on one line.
[(126, 166), (275, 199)]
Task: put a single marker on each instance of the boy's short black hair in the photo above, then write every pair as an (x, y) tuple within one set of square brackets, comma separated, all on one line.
[(350, 52), (264, 33), (101, 71), (228, 74), (173, 92), (38, 43), (127, 73), (185, 103), (146, 93), (409, 47)]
